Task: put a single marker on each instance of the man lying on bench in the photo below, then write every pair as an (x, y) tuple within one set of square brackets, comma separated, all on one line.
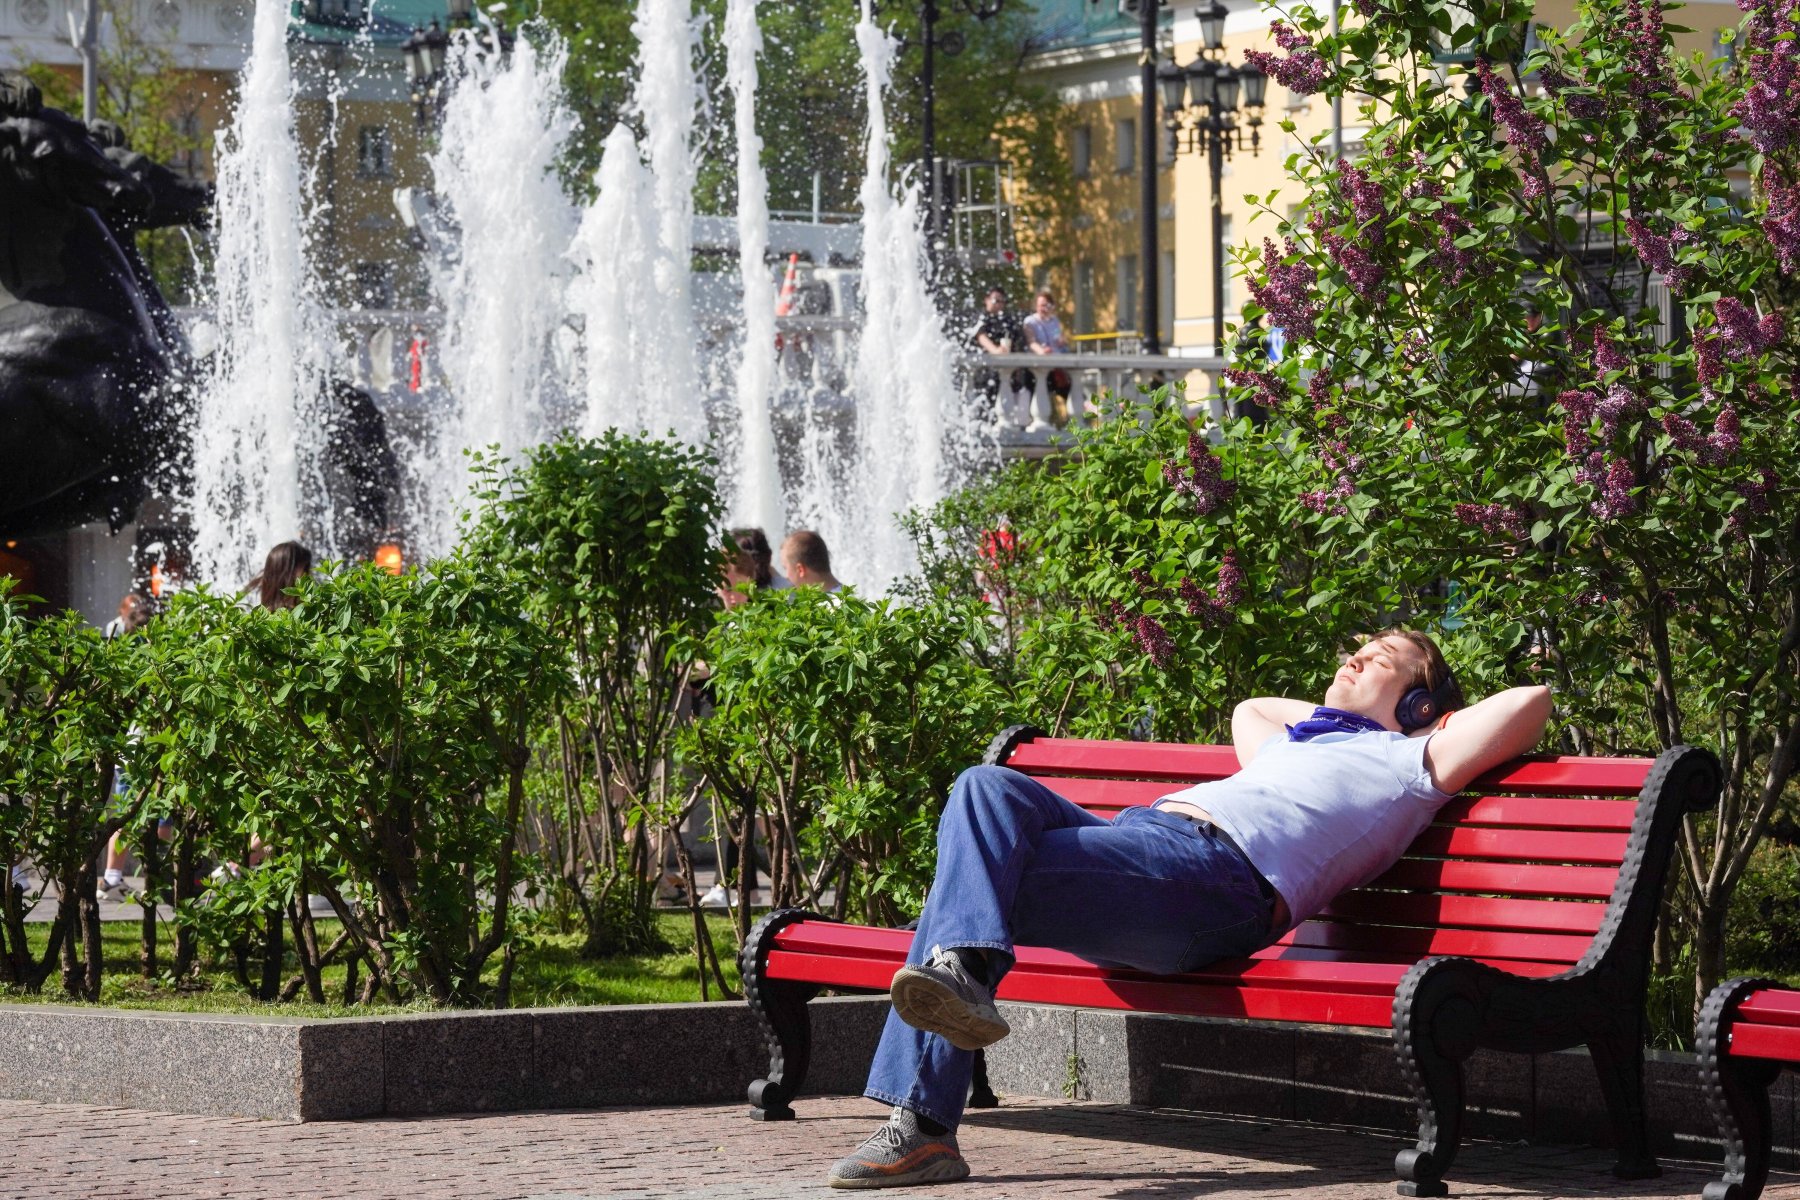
[(1326, 799)]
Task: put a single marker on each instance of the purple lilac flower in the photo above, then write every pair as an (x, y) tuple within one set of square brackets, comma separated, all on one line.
[(1231, 580), (1649, 72), (1756, 494), (1204, 482), (1727, 437), (1781, 223), (1581, 107), (1683, 432), (1455, 261), (1769, 112), (1616, 499), (1745, 335), (1153, 640), (1532, 184), (1304, 72), (1364, 194), (1288, 292), (1265, 384), (1495, 520), (1659, 252), (1617, 404), (1213, 606), (1524, 128), (1709, 355), (1148, 588), (1318, 390), (1366, 275), (1609, 356)]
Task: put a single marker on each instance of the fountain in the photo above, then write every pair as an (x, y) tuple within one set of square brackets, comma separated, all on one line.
[(521, 269)]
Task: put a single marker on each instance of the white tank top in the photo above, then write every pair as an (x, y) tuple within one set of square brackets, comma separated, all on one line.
[(1318, 818)]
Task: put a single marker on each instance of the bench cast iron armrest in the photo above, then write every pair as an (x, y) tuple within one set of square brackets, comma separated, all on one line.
[(1749, 1029)]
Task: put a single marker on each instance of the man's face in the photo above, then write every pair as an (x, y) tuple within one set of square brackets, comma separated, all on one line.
[(996, 301), (1046, 307), (1372, 680)]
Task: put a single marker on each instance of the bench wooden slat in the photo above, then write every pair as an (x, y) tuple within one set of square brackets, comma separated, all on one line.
[(1471, 912), (1541, 845), (1124, 760), (1109, 796), (1539, 812), (1771, 1006), (1400, 941), (1765, 1041), (1510, 879), (1564, 775)]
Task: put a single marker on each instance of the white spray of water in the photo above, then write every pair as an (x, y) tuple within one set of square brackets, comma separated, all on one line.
[(667, 97), (757, 493), (616, 250), (907, 421), (502, 289), (257, 413)]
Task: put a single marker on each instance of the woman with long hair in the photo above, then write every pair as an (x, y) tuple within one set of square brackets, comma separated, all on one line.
[(285, 566)]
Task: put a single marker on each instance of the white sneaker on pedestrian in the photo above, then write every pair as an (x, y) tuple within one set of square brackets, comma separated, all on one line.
[(718, 896)]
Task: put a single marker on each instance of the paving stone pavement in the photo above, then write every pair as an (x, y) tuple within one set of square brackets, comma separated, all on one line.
[(1027, 1148)]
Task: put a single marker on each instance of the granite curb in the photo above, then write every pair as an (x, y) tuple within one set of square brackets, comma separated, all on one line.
[(298, 1069)]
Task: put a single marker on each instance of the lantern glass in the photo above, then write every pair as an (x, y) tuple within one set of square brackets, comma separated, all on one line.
[(1202, 84), (1255, 83), (1212, 25), (1173, 81), (1228, 89)]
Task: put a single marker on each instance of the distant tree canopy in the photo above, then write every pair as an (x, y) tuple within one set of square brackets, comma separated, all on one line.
[(809, 105)]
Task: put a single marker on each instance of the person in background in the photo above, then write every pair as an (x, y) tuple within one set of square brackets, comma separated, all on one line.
[(135, 611), (807, 561), (1000, 331), (752, 564), (1045, 334), (286, 565)]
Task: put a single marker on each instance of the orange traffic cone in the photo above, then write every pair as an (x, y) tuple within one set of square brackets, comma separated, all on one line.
[(784, 303)]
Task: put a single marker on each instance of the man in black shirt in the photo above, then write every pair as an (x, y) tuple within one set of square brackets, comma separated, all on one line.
[(999, 331)]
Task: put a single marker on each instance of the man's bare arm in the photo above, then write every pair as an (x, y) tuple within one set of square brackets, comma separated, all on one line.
[(1255, 721), (1484, 735)]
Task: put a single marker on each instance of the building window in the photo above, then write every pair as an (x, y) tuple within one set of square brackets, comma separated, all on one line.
[(375, 285), (1125, 145), (1226, 266), (374, 152), (1724, 43), (1127, 272), (1165, 303), (1081, 150), (1084, 297)]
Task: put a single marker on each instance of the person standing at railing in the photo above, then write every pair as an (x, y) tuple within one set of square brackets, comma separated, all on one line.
[(1000, 331), (1045, 334)]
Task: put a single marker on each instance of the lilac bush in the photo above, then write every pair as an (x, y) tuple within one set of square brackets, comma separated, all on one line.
[(1503, 403)]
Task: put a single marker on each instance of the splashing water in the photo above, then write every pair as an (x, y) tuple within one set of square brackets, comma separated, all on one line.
[(617, 248), (667, 97), (756, 496), (255, 452), (504, 127)]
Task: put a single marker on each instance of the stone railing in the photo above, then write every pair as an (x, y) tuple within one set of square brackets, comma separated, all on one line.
[(1026, 417)]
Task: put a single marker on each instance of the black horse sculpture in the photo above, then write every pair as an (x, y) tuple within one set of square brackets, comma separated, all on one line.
[(96, 378)]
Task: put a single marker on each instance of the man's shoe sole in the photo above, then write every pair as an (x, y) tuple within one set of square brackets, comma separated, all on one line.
[(924, 1003), (942, 1170)]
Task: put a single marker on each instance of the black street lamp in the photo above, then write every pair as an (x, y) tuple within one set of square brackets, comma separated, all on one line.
[(952, 44), (1213, 89), (427, 53)]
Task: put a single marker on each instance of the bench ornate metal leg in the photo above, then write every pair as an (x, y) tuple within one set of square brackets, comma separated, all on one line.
[(1619, 1060), (780, 1007), (1437, 1014), (1737, 1091)]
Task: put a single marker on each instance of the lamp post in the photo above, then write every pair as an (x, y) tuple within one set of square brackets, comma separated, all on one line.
[(427, 53), (1208, 91), (952, 44)]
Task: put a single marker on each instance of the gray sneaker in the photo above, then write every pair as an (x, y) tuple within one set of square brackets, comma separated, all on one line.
[(941, 997), (898, 1154)]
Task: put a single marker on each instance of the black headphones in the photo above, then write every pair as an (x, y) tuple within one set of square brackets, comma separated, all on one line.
[(1421, 706)]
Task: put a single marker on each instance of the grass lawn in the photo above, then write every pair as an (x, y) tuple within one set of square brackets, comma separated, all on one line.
[(549, 973)]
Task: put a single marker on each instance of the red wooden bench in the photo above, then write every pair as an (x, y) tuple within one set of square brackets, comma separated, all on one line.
[(1748, 1029), (1521, 920)]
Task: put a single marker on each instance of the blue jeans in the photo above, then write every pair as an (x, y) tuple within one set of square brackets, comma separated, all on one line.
[(1146, 891)]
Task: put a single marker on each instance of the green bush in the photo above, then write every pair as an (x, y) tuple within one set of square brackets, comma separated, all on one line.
[(619, 539), (66, 703), (844, 721)]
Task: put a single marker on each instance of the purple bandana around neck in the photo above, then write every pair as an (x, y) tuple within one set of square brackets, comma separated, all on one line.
[(1332, 720)]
